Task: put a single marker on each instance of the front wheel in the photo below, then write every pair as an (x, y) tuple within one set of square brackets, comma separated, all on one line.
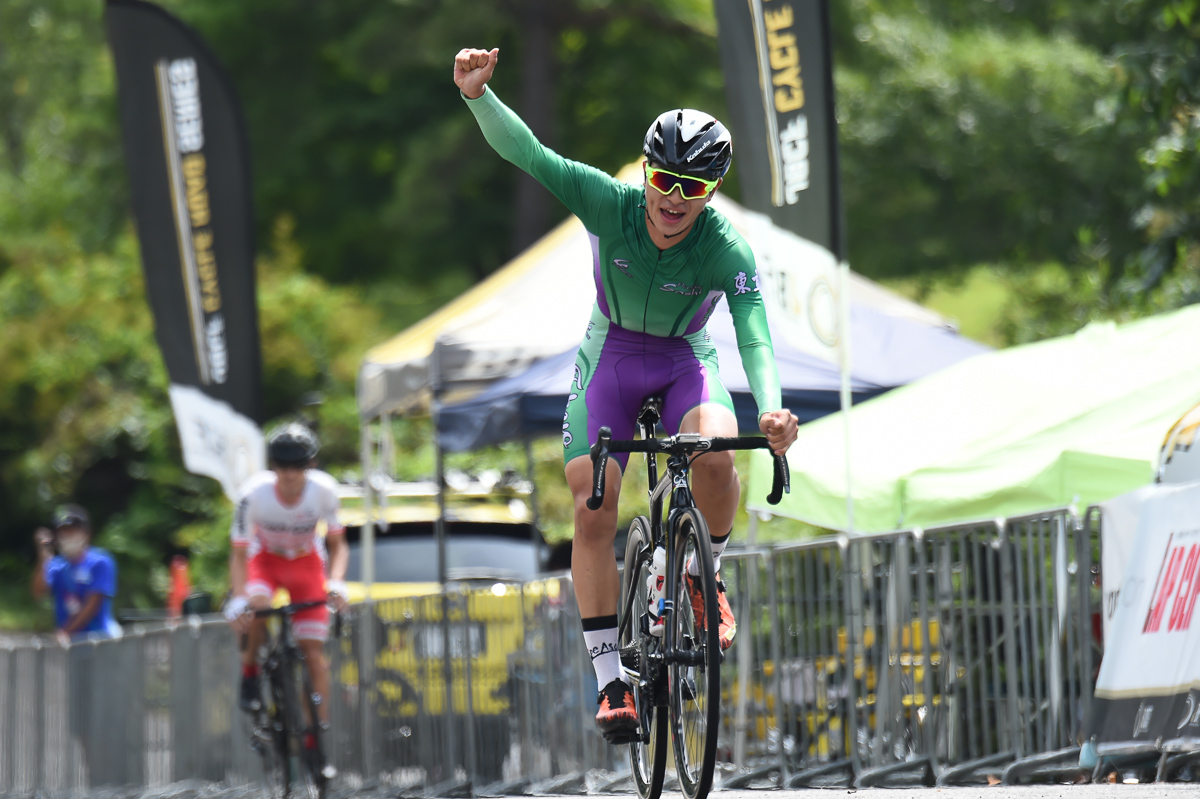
[(271, 734), (695, 672), (306, 722), (648, 756)]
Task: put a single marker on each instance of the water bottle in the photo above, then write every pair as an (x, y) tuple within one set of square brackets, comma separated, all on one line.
[(654, 590)]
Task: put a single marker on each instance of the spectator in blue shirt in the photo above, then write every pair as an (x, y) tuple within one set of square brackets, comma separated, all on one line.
[(82, 578)]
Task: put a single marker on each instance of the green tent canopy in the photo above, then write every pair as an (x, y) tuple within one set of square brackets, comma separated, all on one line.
[(1077, 419)]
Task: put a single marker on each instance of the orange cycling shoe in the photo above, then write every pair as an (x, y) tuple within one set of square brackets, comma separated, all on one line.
[(617, 713), (727, 628)]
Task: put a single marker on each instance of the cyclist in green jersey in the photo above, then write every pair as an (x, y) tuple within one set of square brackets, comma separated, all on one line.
[(662, 260)]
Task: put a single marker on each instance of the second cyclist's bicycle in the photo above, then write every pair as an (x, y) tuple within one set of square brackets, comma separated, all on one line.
[(675, 676), (286, 729)]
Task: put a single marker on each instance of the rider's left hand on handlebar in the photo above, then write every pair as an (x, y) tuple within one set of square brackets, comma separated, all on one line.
[(337, 595), (780, 428), (237, 612)]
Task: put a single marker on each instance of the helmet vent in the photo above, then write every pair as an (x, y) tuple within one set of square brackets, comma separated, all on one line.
[(693, 125)]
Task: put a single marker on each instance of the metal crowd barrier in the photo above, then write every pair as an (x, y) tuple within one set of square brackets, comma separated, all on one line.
[(883, 659), (518, 710), (153, 707), (891, 659)]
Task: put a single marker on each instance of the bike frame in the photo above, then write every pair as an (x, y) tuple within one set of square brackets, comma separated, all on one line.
[(676, 483), (283, 650), (284, 647)]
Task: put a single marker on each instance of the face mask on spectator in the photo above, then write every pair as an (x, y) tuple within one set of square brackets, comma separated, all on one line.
[(72, 545)]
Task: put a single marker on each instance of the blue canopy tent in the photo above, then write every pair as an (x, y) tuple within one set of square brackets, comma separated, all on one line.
[(889, 351)]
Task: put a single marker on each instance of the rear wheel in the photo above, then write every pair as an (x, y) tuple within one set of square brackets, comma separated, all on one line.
[(647, 756), (695, 693)]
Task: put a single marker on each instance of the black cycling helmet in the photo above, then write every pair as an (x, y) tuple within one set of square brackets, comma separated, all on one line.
[(689, 142), (292, 445)]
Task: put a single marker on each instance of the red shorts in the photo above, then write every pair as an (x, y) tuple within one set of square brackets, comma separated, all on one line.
[(304, 580)]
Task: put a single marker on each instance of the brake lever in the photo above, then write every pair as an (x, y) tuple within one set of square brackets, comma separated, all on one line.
[(781, 483)]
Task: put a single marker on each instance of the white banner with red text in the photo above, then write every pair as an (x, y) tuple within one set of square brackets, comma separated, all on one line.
[(1148, 690)]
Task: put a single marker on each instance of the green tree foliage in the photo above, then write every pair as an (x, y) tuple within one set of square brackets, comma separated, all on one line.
[(1159, 79), (359, 134), (84, 414), (967, 140)]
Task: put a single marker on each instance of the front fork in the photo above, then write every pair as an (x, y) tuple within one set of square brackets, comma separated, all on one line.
[(681, 500)]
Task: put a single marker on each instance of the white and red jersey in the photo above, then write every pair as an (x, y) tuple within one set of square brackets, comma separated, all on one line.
[(264, 523)]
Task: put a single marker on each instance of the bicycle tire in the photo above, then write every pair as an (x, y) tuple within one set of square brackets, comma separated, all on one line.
[(695, 690), (277, 762), (298, 727), (647, 758), (312, 760)]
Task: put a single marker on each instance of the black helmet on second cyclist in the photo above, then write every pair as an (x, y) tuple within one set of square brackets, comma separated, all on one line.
[(689, 142), (292, 445)]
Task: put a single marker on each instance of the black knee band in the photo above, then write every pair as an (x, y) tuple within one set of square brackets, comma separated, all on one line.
[(594, 623)]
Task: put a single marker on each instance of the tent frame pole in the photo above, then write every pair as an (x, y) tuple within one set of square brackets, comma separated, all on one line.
[(847, 397), (535, 519), (439, 529), (366, 627)]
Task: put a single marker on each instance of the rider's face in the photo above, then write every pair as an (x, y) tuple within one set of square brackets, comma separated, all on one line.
[(289, 481), (671, 214)]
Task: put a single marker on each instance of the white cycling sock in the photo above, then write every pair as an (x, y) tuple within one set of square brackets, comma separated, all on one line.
[(600, 637), (718, 546)]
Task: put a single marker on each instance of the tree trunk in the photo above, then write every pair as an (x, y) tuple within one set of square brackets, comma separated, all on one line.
[(537, 109)]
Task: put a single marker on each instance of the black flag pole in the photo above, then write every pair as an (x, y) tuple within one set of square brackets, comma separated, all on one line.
[(188, 161), (777, 60), (777, 56)]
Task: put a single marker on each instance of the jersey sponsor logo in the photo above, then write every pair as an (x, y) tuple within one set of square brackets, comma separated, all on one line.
[(567, 437), (622, 265), (682, 288), (578, 379), (740, 283), (302, 528), (239, 518)]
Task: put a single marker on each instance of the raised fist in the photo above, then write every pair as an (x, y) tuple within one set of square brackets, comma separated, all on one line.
[(473, 69)]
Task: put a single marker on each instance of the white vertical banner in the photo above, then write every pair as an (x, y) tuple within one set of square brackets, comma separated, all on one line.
[(807, 295), (799, 285), (217, 441)]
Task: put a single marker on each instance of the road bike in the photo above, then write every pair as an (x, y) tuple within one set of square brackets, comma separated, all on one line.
[(288, 713), (675, 676)]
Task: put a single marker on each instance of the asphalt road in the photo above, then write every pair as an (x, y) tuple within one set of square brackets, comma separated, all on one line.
[(193, 790), (1087, 791)]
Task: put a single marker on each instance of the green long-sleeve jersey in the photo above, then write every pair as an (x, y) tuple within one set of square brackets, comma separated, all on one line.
[(639, 287)]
